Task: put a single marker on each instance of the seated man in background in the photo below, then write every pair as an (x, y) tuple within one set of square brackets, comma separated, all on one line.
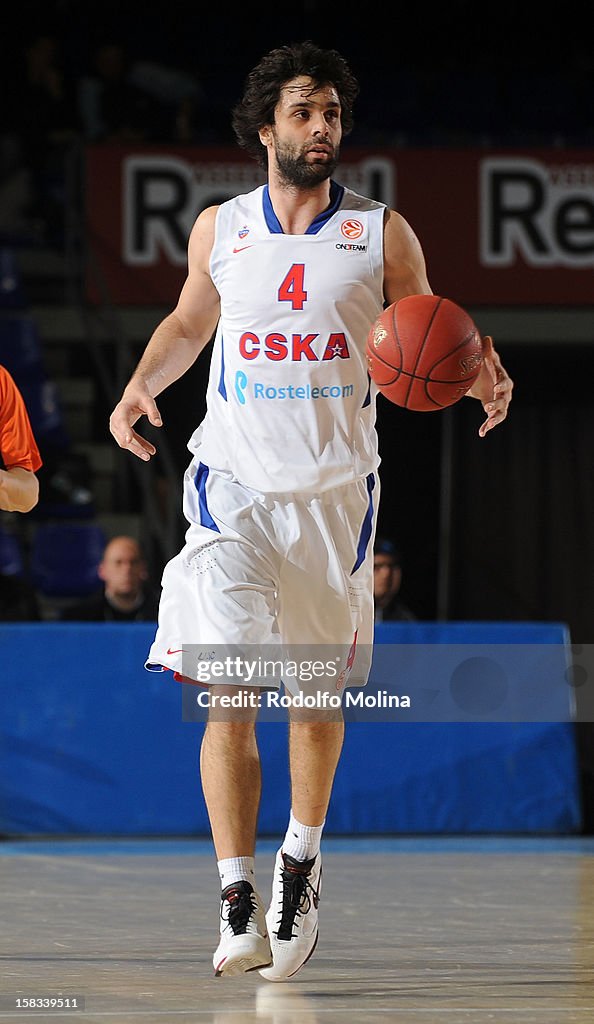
[(125, 596), (387, 578), (19, 454)]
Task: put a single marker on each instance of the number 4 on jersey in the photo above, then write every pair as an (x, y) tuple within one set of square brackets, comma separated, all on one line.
[(292, 287)]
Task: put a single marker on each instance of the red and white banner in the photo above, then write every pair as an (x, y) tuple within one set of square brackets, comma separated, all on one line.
[(497, 228)]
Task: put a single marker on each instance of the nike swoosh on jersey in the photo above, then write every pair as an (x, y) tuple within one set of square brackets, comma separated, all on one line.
[(180, 650), (242, 247)]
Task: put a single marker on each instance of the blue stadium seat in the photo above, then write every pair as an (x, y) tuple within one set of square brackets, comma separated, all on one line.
[(20, 345), (65, 557), (21, 353), (44, 409), (12, 561)]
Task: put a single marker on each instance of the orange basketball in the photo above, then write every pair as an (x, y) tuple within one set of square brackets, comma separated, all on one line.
[(424, 352)]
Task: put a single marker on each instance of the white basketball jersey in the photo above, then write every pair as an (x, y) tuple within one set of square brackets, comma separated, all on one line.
[(290, 405)]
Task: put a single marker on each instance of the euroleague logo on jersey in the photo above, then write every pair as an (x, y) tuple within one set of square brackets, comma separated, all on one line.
[(351, 229)]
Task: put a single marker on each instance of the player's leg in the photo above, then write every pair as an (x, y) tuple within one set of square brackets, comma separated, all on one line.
[(231, 783), (315, 746), (314, 752), (218, 596), (231, 777), (337, 537)]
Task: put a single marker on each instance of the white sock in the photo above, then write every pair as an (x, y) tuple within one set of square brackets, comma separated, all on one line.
[(302, 841), (236, 869)]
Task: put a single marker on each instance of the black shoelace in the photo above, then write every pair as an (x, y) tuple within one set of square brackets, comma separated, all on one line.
[(241, 903), (298, 896)]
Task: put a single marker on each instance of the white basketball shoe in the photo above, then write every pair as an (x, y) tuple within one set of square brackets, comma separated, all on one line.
[(244, 945), (292, 917)]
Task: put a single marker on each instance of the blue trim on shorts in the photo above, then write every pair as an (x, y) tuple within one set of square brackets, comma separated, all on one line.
[(365, 535), (222, 389), (200, 481)]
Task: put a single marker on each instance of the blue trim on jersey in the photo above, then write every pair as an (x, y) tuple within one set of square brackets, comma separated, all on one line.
[(200, 481), (336, 194), (274, 225), (272, 222), (368, 395), (365, 534), (222, 389)]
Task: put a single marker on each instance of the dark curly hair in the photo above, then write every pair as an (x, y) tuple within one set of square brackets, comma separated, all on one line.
[(263, 88)]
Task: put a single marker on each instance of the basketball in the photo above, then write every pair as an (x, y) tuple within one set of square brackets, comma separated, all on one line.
[(424, 352)]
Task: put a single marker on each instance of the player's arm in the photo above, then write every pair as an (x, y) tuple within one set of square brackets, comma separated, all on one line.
[(19, 489), (405, 274), (174, 345), (404, 263), (19, 486)]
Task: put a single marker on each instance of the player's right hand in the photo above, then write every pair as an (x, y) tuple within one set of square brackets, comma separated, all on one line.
[(134, 403)]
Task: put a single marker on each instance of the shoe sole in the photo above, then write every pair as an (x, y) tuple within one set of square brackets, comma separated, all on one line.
[(286, 977), (243, 965)]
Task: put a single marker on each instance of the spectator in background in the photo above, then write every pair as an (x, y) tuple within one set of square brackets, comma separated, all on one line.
[(42, 114), (387, 578), (19, 454), (110, 107), (125, 99), (126, 595), (176, 96)]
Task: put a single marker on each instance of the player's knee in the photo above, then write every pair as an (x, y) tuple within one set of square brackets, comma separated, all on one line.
[(233, 709), (316, 720)]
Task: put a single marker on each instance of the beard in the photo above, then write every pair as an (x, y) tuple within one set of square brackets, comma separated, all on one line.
[(296, 171)]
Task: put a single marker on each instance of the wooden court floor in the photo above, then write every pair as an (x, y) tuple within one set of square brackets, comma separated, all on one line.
[(412, 930)]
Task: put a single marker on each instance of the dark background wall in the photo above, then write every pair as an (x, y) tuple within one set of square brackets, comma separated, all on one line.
[(454, 72)]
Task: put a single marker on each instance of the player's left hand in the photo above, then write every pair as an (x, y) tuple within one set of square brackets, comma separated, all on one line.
[(493, 387)]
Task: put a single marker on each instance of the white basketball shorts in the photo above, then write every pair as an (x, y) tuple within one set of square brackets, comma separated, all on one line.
[(263, 572)]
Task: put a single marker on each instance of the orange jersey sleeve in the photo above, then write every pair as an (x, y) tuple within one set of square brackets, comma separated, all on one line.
[(18, 446)]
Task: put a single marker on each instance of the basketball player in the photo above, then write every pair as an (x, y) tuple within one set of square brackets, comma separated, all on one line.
[(19, 485), (281, 493)]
